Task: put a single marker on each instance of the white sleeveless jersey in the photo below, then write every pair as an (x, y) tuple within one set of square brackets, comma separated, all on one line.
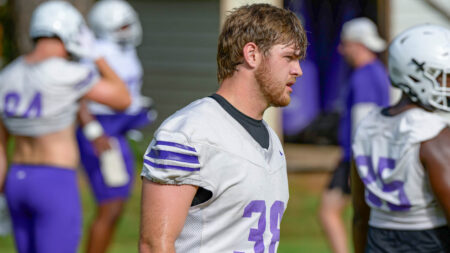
[(386, 152), (41, 98), (203, 145), (125, 62)]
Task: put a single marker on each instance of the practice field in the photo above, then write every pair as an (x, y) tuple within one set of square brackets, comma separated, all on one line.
[(300, 231)]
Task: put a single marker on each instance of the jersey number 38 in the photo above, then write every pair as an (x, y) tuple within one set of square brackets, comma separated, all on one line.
[(256, 234)]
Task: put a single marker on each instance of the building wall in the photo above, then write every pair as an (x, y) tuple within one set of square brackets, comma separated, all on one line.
[(407, 13), (178, 52)]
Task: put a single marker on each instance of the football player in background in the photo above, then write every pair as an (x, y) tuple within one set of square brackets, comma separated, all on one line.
[(401, 182), (368, 88), (105, 153), (39, 100), (214, 176)]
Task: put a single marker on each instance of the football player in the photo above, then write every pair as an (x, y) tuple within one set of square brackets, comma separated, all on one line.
[(214, 176), (39, 94), (401, 182), (105, 153), (367, 88)]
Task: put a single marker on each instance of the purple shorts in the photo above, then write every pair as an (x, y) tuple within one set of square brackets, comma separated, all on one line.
[(91, 164), (45, 208)]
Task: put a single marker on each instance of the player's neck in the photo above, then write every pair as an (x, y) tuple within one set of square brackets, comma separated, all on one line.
[(402, 105), (46, 48), (244, 94), (364, 58)]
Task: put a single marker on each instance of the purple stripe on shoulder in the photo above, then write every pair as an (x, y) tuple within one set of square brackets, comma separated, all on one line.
[(168, 155), (174, 144), (169, 167), (85, 81)]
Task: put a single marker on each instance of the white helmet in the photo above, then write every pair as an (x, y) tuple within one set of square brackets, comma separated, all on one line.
[(418, 57), (115, 20), (59, 19)]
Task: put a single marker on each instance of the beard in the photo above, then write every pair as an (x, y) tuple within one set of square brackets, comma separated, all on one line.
[(272, 90)]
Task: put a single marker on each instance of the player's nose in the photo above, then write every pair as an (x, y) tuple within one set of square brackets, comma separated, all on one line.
[(296, 69)]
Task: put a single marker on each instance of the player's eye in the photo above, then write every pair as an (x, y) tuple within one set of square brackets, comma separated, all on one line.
[(289, 57)]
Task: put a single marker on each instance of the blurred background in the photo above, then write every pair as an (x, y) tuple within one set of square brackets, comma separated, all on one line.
[(178, 54)]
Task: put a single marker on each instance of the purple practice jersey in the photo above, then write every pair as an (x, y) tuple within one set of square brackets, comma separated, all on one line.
[(367, 84)]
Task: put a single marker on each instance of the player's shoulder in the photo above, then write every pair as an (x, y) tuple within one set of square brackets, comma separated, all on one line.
[(192, 118), (64, 71), (12, 66), (420, 119), (419, 125), (187, 127), (369, 124)]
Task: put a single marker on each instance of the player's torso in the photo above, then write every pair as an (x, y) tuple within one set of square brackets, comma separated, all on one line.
[(250, 196), (126, 64), (386, 152), (39, 112)]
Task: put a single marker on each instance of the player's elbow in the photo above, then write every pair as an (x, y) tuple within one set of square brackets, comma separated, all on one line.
[(121, 102), (124, 103), (144, 247)]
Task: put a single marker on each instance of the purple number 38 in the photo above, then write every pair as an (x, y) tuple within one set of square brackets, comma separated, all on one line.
[(256, 234), (395, 185)]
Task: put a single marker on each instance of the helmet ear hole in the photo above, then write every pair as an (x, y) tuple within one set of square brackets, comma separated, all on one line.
[(415, 80)]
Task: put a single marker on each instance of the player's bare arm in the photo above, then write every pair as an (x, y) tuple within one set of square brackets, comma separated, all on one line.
[(164, 210), (361, 212), (434, 156), (3, 160), (92, 129), (110, 90)]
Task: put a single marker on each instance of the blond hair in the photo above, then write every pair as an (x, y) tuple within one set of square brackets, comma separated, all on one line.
[(263, 24)]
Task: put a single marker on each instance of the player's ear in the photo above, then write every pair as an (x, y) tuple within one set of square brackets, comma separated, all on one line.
[(252, 55)]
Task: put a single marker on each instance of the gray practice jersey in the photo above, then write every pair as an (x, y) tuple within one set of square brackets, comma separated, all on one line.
[(40, 98), (386, 151), (205, 146)]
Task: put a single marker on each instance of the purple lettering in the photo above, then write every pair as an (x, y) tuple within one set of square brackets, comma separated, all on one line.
[(35, 107), (276, 213), (12, 100), (256, 235), (397, 185)]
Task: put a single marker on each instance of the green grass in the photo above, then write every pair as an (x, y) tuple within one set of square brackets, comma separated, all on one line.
[(300, 230)]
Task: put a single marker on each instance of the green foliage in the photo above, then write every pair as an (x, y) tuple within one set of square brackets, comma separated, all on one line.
[(8, 47)]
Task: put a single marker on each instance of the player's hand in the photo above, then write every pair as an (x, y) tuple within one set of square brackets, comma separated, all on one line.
[(101, 144)]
